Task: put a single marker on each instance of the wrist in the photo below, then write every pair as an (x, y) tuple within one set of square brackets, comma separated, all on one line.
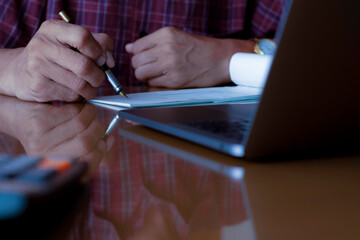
[(223, 53), (234, 46), (8, 71)]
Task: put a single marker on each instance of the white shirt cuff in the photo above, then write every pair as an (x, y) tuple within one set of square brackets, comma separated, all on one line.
[(250, 69)]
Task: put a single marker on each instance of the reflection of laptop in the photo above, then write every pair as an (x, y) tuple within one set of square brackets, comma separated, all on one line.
[(310, 101)]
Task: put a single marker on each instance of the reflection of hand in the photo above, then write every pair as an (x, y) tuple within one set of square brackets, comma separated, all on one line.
[(47, 130), (47, 69), (157, 226), (174, 59)]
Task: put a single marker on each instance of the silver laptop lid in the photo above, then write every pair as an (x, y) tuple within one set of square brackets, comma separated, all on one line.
[(311, 98)]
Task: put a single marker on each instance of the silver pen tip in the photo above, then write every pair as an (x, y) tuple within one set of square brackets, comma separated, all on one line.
[(122, 93)]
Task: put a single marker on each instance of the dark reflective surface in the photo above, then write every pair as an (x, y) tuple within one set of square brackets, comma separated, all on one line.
[(148, 185)]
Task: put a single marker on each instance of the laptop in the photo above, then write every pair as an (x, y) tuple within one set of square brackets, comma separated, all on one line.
[(311, 99)]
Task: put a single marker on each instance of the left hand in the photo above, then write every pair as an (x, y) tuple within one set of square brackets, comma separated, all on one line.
[(175, 59)]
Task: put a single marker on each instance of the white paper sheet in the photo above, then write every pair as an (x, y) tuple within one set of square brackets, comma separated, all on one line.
[(182, 97)]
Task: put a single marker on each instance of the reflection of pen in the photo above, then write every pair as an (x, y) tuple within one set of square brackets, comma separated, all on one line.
[(112, 124), (110, 76)]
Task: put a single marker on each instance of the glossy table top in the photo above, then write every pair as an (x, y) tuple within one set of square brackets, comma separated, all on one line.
[(148, 185)]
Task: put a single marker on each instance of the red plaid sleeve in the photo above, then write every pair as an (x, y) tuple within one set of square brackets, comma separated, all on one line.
[(125, 20)]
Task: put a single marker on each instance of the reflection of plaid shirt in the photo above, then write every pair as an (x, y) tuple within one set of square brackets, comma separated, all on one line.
[(193, 197), (124, 20)]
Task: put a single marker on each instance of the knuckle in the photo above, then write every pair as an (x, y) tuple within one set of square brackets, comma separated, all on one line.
[(80, 88), (170, 30), (35, 45), (85, 41), (83, 36), (72, 96), (36, 86), (84, 66), (107, 41), (78, 85), (80, 124), (47, 24), (37, 90), (170, 33)]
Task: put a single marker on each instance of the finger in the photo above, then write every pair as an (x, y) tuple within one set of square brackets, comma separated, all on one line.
[(160, 81), (75, 36), (107, 45), (48, 126), (110, 61), (82, 143), (170, 81), (45, 90), (129, 48), (58, 92), (149, 71), (72, 127), (82, 66), (49, 116), (41, 120), (159, 37), (145, 57), (69, 80), (143, 44)]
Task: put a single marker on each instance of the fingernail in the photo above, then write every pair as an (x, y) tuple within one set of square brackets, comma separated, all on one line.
[(101, 61), (110, 59), (129, 47)]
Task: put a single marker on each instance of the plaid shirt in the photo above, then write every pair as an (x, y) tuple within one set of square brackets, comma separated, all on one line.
[(192, 198), (124, 20), (139, 177)]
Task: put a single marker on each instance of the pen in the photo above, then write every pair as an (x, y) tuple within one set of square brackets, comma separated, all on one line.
[(112, 124), (110, 76)]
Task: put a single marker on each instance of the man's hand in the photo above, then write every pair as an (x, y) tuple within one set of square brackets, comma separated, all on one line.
[(47, 69), (174, 59), (53, 130)]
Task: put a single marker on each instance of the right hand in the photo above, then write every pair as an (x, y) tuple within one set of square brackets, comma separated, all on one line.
[(47, 69), (69, 129)]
